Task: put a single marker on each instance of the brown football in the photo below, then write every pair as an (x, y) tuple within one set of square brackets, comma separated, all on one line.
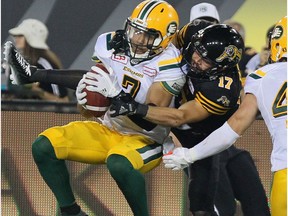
[(96, 102)]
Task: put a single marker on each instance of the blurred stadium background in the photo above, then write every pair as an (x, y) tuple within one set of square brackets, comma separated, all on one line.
[(74, 25)]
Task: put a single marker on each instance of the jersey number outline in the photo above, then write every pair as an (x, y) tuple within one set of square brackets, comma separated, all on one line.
[(130, 81), (278, 108), (222, 84)]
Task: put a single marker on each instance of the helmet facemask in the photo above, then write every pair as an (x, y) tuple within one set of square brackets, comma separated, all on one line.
[(143, 43), (193, 71)]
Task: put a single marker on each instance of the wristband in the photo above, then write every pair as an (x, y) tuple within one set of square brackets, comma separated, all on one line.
[(142, 110)]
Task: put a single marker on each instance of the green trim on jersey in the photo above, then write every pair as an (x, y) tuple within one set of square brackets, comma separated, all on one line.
[(108, 39), (169, 67), (95, 59), (255, 76), (278, 108), (169, 89)]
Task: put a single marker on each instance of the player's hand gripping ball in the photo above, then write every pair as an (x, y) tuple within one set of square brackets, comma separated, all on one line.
[(92, 100)]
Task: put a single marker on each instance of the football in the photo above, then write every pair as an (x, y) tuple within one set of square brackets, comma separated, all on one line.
[(96, 102)]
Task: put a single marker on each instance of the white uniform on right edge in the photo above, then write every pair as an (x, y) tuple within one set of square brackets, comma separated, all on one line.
[(269, 85)]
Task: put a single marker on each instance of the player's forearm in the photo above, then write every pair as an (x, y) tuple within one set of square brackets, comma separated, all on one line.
[(241, 120), (216, 142), (65, 78), (165, 116)]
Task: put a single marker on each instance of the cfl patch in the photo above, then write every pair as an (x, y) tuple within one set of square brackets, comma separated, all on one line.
[(120, 58)]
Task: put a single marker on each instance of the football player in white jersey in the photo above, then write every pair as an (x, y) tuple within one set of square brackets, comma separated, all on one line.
[(143, 62), (265, 91)]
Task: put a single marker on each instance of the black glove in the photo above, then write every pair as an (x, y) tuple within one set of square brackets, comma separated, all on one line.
[(118, 42), (124, 104)]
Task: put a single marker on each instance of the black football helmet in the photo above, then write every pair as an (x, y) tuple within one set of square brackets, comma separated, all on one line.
[(220, 45)]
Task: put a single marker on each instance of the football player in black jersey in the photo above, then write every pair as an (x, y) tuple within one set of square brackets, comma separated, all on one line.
[(246, 187), (210, 96)]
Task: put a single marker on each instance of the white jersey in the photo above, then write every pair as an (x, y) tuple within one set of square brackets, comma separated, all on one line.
[(136, 80), (269, 85)]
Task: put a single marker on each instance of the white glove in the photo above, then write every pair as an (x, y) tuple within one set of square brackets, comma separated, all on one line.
[(80, 95), (179, 159), (103, 83)]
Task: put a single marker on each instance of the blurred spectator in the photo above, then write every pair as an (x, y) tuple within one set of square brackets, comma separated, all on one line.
[(249, 51), (260, 59), (30, 38), (204, 11)]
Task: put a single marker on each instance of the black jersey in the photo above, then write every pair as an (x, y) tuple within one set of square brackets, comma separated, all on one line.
[(220, 97)]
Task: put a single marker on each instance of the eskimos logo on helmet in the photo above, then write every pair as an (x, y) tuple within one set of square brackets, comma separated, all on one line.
[(171, 29), (278, 32)]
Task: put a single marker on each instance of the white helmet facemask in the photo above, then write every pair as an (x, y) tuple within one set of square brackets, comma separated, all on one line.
[(142, 42)]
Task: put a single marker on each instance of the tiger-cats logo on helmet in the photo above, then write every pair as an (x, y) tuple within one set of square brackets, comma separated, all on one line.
[(231, 52)]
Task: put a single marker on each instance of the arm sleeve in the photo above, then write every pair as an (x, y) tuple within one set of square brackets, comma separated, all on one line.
[(218, 141)]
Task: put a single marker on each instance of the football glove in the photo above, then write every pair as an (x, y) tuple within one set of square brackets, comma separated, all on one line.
[(80, 94), (103, 83), (20, 69), (179, 159), (124, 104)]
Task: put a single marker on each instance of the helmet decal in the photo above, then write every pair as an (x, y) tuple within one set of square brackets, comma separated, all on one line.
[(278, 32), (224, 100), (171, 29), (278, 41), (231, 52), (144, 13)]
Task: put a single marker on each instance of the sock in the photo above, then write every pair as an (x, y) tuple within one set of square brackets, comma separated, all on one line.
[(65, 78), (131, 182), (53, 171)]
